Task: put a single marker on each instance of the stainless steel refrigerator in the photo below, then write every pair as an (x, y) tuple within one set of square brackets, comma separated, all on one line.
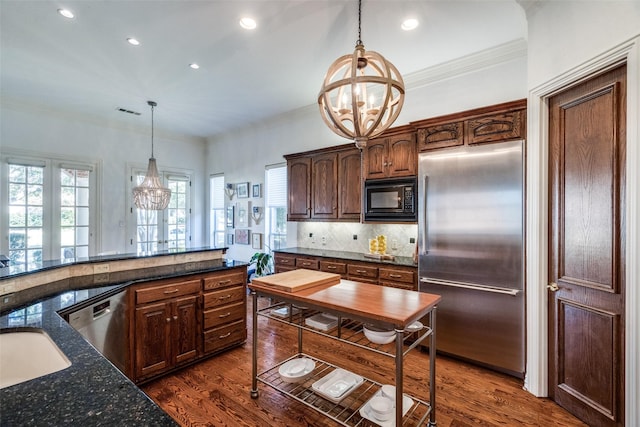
[(471, 250)]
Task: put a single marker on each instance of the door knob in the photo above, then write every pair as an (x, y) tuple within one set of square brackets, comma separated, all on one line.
[(553, 286)]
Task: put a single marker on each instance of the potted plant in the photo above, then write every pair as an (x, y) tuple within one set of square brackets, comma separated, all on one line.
[(263, 263)]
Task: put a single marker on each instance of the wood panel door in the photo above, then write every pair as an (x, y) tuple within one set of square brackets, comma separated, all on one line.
[(185, 331), (152, 339), (350, 184), (402, 156), (586, 248), (324, 186), (299, 182), (374, 157)]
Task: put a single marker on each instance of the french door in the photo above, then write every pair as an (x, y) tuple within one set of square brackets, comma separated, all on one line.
[(168, 229)]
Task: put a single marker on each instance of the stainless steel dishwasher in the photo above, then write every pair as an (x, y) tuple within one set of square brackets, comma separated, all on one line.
[(104, 324)]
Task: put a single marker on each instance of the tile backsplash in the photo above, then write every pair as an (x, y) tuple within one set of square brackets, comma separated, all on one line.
[(338, 236)]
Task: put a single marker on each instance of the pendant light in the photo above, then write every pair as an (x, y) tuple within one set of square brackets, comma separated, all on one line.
[(150, 194), (362, 93)]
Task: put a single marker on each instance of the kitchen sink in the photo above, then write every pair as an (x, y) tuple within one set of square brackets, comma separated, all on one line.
[(26, 354)]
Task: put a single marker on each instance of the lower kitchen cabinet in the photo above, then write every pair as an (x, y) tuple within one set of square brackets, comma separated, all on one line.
[(380, 273), (181, 320)]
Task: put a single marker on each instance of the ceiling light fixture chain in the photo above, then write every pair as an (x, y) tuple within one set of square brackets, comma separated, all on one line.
[(150, 194), (362, 93)]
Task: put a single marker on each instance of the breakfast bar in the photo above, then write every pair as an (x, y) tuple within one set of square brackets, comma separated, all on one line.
[(356, 307)]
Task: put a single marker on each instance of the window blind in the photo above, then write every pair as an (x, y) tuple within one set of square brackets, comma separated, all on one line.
[(217, 192), (276, 186)]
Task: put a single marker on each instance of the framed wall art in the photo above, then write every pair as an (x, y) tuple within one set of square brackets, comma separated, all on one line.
[(242, 214), (255, 190), (256, 240), (230, 217), (242, 237), (242, 190)]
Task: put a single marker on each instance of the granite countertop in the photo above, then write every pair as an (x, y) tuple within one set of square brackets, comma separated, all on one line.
[(352, 256), (90, 392)]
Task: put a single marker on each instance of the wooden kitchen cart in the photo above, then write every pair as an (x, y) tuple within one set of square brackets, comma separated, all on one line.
[(355, 304)]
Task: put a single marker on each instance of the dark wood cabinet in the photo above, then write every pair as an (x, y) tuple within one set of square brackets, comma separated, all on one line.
[(390, 156), (494, 123), (398, 276), (166, 331), (181, 320), (299, 184), (325, 185)]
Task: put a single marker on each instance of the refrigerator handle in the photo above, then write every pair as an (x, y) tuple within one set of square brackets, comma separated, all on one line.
[(497, 290), (425, 233)]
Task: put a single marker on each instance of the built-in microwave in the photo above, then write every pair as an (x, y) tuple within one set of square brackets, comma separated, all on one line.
[(391, 200)]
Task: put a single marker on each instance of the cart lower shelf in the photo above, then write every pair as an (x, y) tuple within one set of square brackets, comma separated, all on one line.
[(348, 411)]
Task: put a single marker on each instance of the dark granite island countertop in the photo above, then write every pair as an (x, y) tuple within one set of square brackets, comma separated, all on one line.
[(90, 392), (351, 256)]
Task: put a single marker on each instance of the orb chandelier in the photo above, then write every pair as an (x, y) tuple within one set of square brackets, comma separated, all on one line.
[(150, 194), (362, 93)]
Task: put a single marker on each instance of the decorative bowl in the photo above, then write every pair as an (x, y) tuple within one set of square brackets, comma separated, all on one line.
[(377, 335)]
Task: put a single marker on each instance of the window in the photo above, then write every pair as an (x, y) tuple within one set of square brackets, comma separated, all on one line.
[(51, 210), (167, 229), (276, 206), (217, 218)]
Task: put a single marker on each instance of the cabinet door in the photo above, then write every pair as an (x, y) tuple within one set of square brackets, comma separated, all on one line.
[(441, 136), (299, 183), (402, 159), (152, 339), (184, 327), (324, 186), (349, 184), (496, 127), (374, 157)]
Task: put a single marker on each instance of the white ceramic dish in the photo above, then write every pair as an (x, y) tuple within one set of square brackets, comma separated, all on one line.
[(381, 407), (296, 370), (284, 311), (380, 336), (365, 410), (415, 326), (337, 385), (322, 321)]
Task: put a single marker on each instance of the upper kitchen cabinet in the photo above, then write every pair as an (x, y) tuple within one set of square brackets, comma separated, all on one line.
[(299, 183), (391, 155), (325, 184), (501, 122)]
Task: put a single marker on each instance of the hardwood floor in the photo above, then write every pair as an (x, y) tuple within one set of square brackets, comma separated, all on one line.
[(216, 392)]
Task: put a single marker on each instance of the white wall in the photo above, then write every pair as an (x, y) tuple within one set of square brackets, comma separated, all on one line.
[(568, 41), (243, 154), (115, 145)]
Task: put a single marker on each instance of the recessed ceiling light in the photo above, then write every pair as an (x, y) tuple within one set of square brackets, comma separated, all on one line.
[(410, 24), (194, 66), (248, 23), (66, 13), (133, 41)]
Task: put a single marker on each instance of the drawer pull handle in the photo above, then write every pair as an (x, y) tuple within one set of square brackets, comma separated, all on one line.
[(168, 319), (224, 336), (361, 271), (284, 261), (175, 317), (395, 276), (222, 316), (167, 292), (331, 267), (224, 297), (306, 264), (224, 282)]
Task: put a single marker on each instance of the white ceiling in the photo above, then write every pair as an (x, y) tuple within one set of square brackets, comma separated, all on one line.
[(85, 66)]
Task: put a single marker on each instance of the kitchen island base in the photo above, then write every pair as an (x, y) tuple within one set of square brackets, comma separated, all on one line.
[(351, 409)]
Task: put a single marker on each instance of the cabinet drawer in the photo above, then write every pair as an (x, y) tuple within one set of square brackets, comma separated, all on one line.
[(333, 267), (310, 264), (169, 290), (224, 336), (363, 271), (223, 296), (228, 313), (285, 261), (401, 285), (223, 280), (390, 275)]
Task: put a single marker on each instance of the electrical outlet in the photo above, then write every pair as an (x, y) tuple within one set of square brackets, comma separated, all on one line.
[(355, 237), (412, 239), (324, 240)]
